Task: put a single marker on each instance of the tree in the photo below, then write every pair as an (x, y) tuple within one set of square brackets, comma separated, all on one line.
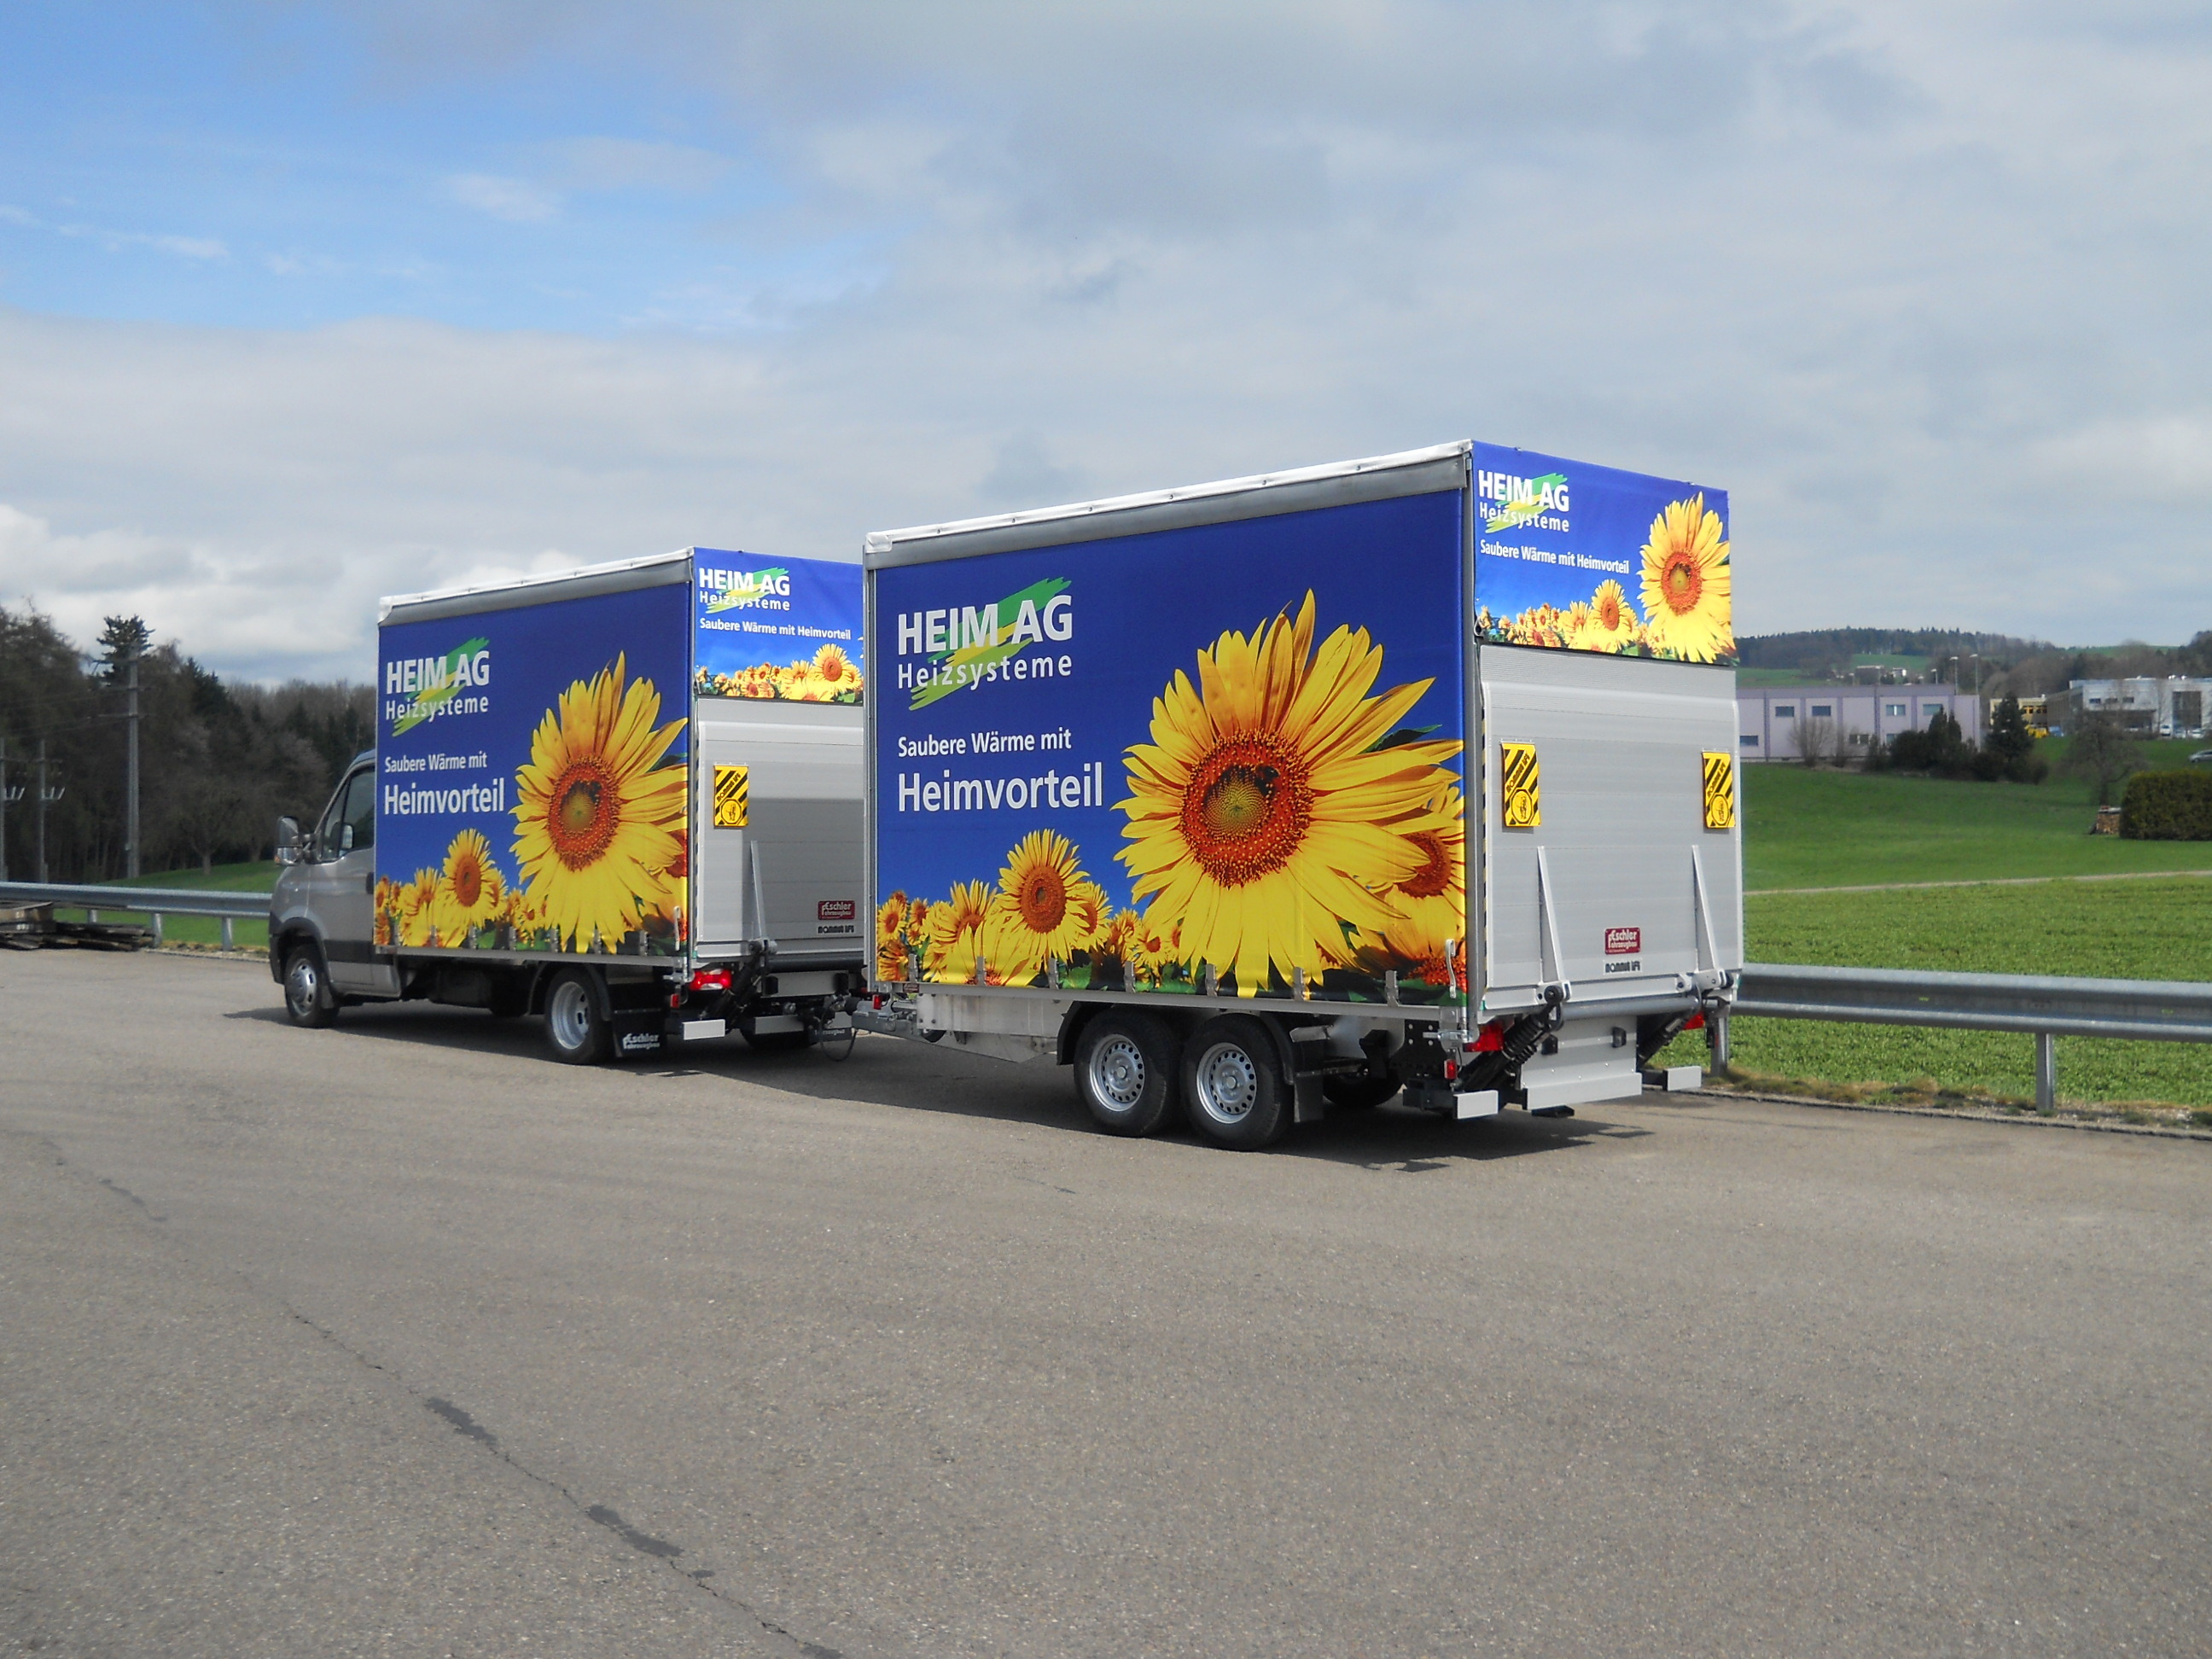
[(121, 639), (1816, 739), (2103, 752)]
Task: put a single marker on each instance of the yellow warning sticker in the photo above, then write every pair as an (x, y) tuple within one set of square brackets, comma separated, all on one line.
[(1720, 791), (733, 796), (1523, 804)]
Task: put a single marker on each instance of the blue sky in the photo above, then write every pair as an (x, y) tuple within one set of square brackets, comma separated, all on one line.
[(278, 170), (304, 303)]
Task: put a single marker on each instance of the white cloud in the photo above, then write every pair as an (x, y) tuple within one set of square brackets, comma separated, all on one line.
[(636, 164), (516, 200)]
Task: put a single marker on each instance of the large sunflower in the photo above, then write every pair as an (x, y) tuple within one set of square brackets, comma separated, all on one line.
[(1262, 812), (834, 670), (1686, 584), (470, 894), (1610, 623), (598, 819), (1042, 907)]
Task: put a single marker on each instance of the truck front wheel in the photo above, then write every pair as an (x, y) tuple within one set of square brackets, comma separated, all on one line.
[(1232, 1082), (308, 999), (1125, 1072), (576, 1023)]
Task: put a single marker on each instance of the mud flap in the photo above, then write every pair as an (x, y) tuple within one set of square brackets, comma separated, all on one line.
[(638, 1031)]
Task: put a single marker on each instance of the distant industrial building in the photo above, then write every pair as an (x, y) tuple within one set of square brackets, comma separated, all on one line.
[(2173, 707), (1840, 722)]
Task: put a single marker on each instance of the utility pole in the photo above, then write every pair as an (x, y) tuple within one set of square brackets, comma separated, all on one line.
[(45, 797), (130, 831), (8, 798)]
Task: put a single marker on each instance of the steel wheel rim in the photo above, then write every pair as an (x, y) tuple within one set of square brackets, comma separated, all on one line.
[(1117, 1073), (302, 985), (1228, 1083), (570, 1015)]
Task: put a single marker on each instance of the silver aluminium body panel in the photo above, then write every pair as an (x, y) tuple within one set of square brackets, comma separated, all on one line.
[(793, 875), (1620, 902)]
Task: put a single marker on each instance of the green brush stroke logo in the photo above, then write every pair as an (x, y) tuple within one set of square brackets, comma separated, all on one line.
[(1013, 627), (429, 702), (1524, 508)]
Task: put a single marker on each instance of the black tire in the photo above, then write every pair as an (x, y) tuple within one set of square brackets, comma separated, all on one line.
[(308, 998), (1232, 1084), (1126, 1071), (576, 1021), (773, 1043), (1358, 1091)]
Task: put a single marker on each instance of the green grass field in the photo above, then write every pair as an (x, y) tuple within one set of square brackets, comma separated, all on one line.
[(1808, 828), (2158, 928)]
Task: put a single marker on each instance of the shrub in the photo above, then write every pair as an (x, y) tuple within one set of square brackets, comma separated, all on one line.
[(2168, 806)]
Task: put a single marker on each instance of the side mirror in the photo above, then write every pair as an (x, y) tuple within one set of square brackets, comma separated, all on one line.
[(345, 838), (288, 840)]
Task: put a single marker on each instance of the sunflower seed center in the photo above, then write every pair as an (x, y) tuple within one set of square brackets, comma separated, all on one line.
[(1246, 809)]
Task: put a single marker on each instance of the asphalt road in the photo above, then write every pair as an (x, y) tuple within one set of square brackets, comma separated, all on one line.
[(400, 1338)]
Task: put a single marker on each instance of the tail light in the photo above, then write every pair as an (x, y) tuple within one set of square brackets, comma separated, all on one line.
[(1696, 1021), (711, 979), (1490, 1039)]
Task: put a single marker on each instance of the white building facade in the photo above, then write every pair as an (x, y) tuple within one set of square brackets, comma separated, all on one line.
[(1778, 722), (2173, 707)]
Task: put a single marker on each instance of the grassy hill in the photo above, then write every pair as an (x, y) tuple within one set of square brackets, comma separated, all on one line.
[(1806, 829)]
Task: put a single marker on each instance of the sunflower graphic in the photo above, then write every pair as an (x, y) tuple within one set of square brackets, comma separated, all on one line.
[(1432, 902), (1686, 584), (470, 893), (418, 909), (1262, 811), (956, 933), (1609, 624), (894, 949), (835, 672), (1043, 906), (598, 820)]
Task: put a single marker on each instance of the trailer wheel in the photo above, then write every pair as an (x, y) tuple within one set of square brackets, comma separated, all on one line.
[(1232, 1082), (307, 998), (1358, 1091), (1125, 1072), (576, 1021)]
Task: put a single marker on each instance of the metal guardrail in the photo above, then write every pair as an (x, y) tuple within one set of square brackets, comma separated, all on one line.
[(2046, 1008), (157, 902)]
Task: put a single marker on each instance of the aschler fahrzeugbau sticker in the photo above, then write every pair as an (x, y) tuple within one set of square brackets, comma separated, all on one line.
[(1232, 749), (531, 777)]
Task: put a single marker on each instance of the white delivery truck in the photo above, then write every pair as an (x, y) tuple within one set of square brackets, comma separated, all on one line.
[(1415, 774), (626, 798)]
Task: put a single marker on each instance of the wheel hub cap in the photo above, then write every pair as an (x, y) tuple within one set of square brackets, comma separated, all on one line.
[(1228, 1083)]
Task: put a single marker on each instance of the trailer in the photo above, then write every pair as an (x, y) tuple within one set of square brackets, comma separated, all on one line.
[(626, 798), (1409, 777)]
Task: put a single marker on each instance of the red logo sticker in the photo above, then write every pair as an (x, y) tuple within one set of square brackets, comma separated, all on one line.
[(835, 910), (1623, 941)]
